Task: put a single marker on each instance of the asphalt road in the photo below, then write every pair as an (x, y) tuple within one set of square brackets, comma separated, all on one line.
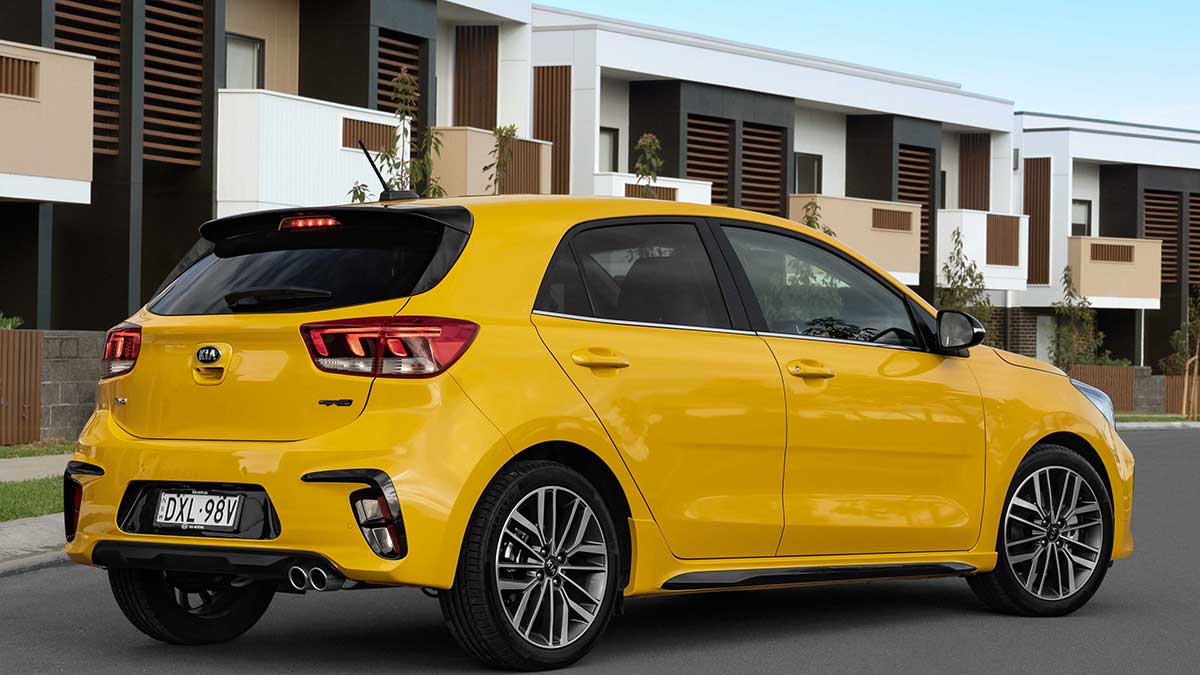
[(1146, 618)]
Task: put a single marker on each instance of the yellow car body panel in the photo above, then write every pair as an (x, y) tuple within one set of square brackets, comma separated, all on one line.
[(517, 390)]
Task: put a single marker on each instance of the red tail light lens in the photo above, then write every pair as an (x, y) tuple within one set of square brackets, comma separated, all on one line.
[(403, 346), (121, 349), (308, 223)]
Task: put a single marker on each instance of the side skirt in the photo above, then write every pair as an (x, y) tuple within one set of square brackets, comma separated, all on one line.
[(789, 576)]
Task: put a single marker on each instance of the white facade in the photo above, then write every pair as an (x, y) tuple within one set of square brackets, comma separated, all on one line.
[(514, 75), (823, 132)]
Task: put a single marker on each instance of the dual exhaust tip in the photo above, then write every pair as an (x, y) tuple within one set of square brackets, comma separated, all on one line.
[(312, 579)]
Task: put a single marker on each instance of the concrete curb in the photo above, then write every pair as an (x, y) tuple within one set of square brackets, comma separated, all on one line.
[(1147, 426), (35, 561)]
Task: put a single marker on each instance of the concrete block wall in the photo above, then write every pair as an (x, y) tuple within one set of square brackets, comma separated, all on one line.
[(70, 369)]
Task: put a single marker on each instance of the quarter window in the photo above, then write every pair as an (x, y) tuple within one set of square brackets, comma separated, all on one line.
[(806, 290)]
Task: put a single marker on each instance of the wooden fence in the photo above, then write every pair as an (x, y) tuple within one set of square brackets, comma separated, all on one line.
[(1173, 397), (524, 168), (1116, 381), (651, 192), (20, 386)]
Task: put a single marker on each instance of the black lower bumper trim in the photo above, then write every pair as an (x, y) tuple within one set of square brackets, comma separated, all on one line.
[(786, 576), (246, 562)]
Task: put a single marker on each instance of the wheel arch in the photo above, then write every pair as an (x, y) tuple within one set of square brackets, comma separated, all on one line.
[(1083, 448)]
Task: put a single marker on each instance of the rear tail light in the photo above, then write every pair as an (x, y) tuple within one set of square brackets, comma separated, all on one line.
[(72, 498), (402, 346), (121, 348)]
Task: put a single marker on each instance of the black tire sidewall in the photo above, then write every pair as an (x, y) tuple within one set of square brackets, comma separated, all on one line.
[(157, 613)]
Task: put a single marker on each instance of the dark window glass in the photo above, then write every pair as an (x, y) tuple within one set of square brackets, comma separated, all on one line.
[(610, 149), (942, 190), (562, 289), (806, 290), (808, 174), (1081, 218), (267, 272), (650, 273)]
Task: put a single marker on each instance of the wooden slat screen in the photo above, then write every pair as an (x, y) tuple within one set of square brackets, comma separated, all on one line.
[(552, 121), (398, 53), (914, 183), (1160, 216), (174, 81), (524, 168), (476, 75), (651, 192), (1194, 239), (93, 27), (1173, 393), (1037, 207), (18, 77), (1116, 381), (1003, 240), (20, 386), (1118, 253), (377, 137), (974, 171), (763, 169), (891, 219), (710, 154)]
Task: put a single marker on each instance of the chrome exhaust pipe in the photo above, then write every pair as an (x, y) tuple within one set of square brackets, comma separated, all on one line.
[(320, 580), (298, 578)]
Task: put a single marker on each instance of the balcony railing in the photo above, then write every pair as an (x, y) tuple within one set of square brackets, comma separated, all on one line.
[(459, 168), (996, 242), (46, 135), (276, 150), (1115, 272), (666, 188), (888, 233)]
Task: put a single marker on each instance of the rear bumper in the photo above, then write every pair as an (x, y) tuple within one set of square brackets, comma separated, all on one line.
[(264, 564), (438, 450)]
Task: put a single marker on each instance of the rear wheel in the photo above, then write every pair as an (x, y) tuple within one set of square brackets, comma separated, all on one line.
[(189, 609), (1055, 538), (537, 576)]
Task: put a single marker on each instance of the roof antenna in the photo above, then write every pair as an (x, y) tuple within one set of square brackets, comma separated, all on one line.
[(387, 194)]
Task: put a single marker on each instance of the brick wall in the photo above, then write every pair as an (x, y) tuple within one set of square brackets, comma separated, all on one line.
[(1016, 329), (70, 368)]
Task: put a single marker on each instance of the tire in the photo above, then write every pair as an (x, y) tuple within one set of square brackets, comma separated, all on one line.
[(1061, 546), (216, 611), (504, 548)]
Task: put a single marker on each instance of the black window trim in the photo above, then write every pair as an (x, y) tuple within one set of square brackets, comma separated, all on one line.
[(739, 321), (753, 310)]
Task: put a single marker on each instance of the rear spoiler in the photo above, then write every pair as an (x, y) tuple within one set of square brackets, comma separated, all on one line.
[(454, 217)]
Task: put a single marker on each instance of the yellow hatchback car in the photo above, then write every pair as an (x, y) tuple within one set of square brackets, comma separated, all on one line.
[(537, 407)]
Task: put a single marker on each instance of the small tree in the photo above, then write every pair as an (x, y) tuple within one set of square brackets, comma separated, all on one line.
[(649, 162), (416, 172), (501, 154), (10, 322), (1184, 340), (810, 216), (1076, 340), (963, 286)]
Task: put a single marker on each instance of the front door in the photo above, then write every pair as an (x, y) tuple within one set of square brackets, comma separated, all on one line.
[(885, 449), (635, 316)]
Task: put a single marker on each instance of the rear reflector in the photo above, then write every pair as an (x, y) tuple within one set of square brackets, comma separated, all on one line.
[(121, 348), (403, 346), (308, 222)]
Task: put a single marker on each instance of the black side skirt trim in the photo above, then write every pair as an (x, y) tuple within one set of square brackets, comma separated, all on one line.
[(786, 576)]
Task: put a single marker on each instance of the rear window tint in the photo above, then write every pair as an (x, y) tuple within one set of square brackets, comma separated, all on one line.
[(269, 272)]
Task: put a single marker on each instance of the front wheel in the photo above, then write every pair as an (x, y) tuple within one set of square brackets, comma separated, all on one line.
[(537, 576), (1055, 539), (189, 609)]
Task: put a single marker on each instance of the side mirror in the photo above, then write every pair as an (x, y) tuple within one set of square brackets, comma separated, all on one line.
[(958, 330)]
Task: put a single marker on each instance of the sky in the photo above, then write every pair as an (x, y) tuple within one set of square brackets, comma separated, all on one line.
[(1133, 61)]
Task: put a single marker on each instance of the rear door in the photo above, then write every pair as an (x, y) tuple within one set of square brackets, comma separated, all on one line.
[(634, 314), (248, 298)]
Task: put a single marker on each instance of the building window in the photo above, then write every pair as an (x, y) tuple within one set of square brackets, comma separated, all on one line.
[(1081, 218), (808, 174), (244, 58), (942, 190), (610, 149)]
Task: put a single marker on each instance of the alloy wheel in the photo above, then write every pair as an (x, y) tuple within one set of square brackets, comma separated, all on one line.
[(1053, 533), (551, 567)]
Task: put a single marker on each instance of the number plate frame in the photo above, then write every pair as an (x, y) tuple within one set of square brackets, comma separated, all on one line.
[(199, 526)]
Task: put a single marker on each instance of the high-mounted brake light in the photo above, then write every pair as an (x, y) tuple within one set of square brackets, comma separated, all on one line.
[(121, 348), (308, 223), (402, 346)]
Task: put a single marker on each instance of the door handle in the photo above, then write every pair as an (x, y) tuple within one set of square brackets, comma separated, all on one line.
[(809, 369), (599, 357)]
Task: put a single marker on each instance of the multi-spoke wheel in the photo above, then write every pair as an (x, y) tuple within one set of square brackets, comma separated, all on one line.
[(1055, 537), (536, 579), (189, 609)]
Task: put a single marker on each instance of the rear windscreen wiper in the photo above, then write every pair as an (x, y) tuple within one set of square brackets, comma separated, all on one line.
[(249, 298)]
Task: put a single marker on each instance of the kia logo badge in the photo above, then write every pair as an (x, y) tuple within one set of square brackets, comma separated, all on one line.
[(208, 354)]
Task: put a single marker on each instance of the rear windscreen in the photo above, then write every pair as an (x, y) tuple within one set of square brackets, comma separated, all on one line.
[(289, 271)]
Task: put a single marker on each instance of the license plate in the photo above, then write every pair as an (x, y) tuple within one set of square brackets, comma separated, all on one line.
[(198, 511)]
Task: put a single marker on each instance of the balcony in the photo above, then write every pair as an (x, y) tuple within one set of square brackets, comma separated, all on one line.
[(669, 189), (1116, 273), (46, 138), (277, 150), (998, 243), (889, 233), (467, 150)]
